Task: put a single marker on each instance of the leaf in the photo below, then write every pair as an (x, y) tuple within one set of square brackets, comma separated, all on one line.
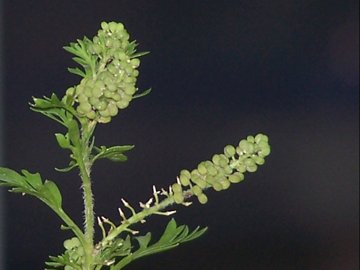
[(144, 93), (54, 108), (62, 141), (31, 184), (74, 132), (113, 153), (144, 240), (71, 166), (77, 71), (172, 236), (51, 192)]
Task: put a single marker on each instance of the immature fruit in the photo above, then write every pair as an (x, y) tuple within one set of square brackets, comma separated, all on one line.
[(100, 97)]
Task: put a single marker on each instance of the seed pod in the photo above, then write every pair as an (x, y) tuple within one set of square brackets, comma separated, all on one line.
[(196, 190), (202, 168), (225, 183), (250, 165), (229, 151), (178, 198), (184, 180), (202, 198), (236, 178), (217, 186), (176, 188)]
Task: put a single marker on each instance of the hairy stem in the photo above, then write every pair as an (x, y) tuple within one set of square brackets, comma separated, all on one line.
[(82, 156)]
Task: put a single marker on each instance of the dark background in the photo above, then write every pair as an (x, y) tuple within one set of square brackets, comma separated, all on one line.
[(219, 70)]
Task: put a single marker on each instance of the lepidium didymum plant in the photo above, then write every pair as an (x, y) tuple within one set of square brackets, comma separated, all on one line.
[(108, 67)]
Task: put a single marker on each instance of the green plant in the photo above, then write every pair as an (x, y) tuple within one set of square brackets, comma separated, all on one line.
[(108, 68)]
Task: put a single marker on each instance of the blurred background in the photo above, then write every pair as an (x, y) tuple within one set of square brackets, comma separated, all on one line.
[(219, 70)]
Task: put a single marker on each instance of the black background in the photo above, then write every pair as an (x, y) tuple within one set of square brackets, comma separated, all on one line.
[(219, 70)]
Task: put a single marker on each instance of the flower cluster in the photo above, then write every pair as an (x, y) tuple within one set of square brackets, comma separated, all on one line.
[(223, 169), (112, 84), (75, 253)]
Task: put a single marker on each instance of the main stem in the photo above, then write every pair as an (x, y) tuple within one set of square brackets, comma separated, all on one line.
[(84, 162)]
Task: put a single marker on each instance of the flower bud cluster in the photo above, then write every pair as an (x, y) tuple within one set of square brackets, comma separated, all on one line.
[(223, 169), (112, 87), (74, 251)]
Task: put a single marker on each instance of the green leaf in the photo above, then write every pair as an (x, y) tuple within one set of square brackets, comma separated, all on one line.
[(54, 108), (77, 71), (52, 193), (74, 132), (144, 93), (31, 184), (62, 141), (172, 236), (114, 153), (144, 240)]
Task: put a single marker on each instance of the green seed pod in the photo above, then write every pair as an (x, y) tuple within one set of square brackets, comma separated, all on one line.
[(250, 165), (261, 137), (224, 161), (108, 93), (97, 92), (91, 115), (112, 108), (129, 89), (258, 160), (199, 181), (70, 91), (122, 104), (104, 26), (229, 151), (71, 243), (202, 198), (178, 198), (216, 159), (264, 152), (104, 120), (217, 186), (196, 190), (241, 167), (246, 147), (94, 101), (84, 108), (135, 62), (212, 171), (101, 105), (236, 178), (177, 188), (202, 168), (184, 180), (225, 183), (250, 139), (105, 113)]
